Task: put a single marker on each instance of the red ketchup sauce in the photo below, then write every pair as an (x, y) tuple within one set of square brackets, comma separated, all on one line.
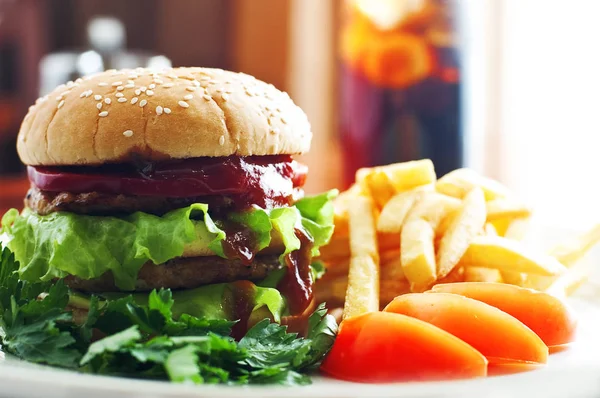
[(266, 181)]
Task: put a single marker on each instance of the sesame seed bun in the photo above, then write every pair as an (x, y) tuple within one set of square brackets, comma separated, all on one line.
[(174, 114)]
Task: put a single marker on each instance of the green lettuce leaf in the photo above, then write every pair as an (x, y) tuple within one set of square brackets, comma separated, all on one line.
[(317, 217), (211, 302), (61, 244)]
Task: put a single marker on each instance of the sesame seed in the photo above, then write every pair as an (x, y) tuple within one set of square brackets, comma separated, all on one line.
[(103, 84), (283, 120), (152, 86), (219, 90), (70, 84), (168, 85), (228, 90), (60, 104), (98, 97), (130, 85), (143, 89), (120, 88), (107, 101), (119, 95), (205, 78), (143, 103), (59, 97), (149, 92), (99, 105), (274, 131), (130, 81), (222, 140), (167, 110), (173, 76), (132, 76), (122, 99), (158, 81), (159, 110), (127, 133), (83, 94), (79, 80), (190, 88), (115, 84), (188, 97), (207, 97), (183, 104), (138, 92), (134, 100), (103, 114), (196, 83), (225, 96)]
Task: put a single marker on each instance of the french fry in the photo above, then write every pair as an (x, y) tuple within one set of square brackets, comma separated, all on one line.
[(456, 275), (332, 290), (362, 294), (409, 175), (516, 278), (465, 226), (501, 225), (417, 254), (339, 247), (489, 229), (395, 211), (379, 187), (569, 253), (517, 229), (506, 208), (433, 208), (570, 281), (480, 274), (446, 222), (403, 176), (390, 289), (460, 182), (508, 255), (363, 238)]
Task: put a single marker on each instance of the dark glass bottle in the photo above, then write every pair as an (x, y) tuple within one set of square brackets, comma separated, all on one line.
[(399, 84)]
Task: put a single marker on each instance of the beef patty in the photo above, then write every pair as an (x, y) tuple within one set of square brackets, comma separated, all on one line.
[(184, 273), (96, 203)]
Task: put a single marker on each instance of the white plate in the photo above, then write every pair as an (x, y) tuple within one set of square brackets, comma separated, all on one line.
[(571, 373)]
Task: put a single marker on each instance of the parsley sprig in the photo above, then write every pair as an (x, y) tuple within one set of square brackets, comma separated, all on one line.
[(123, 338)]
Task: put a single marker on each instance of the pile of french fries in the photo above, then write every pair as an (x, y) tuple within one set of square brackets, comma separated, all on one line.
[(399, 229)]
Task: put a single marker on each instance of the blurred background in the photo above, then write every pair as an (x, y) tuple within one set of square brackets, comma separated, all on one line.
[(507, 87)]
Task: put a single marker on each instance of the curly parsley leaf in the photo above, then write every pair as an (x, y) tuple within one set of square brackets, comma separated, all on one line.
[(145, 341)]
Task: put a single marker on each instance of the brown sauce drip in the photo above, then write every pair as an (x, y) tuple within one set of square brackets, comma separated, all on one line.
[(297, 284)]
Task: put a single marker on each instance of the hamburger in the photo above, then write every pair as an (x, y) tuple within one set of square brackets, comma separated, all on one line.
[(182, 179)]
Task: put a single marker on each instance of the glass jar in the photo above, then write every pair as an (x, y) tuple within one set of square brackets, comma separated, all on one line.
[(400, 84)]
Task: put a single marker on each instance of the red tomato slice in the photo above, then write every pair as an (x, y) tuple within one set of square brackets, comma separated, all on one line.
[(548, 316), (492, 332), (383, 347)]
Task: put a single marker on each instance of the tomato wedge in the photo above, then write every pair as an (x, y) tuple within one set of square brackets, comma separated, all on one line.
[(381, 347), (492, 332), (548, 316)]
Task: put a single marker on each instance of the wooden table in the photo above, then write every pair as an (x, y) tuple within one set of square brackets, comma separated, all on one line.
[(12, 192)]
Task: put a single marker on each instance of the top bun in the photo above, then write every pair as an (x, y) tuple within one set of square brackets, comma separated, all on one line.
[(158, 115)]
